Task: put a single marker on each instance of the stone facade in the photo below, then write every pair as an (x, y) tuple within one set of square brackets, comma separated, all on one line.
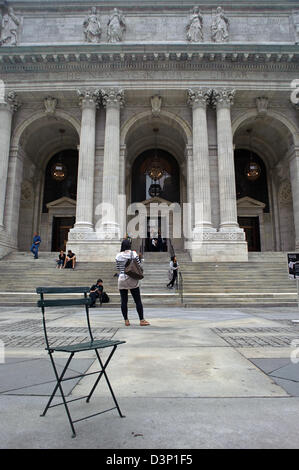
[(110, 74)]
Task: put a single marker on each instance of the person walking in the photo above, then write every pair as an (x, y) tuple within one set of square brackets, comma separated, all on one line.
[(35, 244), (126, 283), (173, 269)]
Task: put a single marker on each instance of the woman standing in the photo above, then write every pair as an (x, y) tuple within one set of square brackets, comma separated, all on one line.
[(126, 283), (173, 268)]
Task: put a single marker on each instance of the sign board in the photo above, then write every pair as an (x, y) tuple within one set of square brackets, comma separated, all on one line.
[(293, 265)]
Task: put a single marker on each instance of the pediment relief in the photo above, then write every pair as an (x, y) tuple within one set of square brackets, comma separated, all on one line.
[(61, 203), (249, 202)]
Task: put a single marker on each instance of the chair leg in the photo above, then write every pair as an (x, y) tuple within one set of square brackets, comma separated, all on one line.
[(103, 372), (58, 385)]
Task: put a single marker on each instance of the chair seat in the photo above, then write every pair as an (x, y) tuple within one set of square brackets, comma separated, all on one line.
[(90, 345)]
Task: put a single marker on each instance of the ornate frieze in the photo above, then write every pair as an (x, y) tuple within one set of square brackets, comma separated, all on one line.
[(92, 27)]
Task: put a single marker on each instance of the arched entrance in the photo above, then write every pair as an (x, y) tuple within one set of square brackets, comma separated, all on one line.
[(265, 206), (156, 172), (46, 141), (156, 177)]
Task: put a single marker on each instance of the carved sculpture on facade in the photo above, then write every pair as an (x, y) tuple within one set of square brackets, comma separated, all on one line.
[(50, 104), (9, 28), (156, 102), (194, 26), (296, 25), (220, 26), (92, 27), (116, 26), (262, 103)]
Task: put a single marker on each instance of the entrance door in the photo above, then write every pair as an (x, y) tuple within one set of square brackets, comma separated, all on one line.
[(61, 228), (251, 228), (155, 231)]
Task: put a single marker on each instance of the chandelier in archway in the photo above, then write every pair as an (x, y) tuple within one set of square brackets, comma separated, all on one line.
[(58, 170), (155, 171), (252, 169)]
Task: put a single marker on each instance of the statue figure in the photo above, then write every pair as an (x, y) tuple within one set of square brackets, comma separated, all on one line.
[(116, 26), (9, 29), (92, 27), (220, 26), (194, 26)]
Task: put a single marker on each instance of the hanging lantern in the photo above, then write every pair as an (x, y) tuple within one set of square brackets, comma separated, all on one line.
[(252, 169), (58, 171), (155, 171)]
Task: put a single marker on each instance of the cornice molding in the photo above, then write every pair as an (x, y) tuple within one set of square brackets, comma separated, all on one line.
[(152, 57), (153, 4)]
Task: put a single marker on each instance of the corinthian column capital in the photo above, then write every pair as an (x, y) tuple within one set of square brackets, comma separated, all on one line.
[(10, 102), (112, 97), (89, 98), (199, 97), (223, 97)]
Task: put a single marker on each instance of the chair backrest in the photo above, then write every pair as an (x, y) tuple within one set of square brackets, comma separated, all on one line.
[(61, 302)]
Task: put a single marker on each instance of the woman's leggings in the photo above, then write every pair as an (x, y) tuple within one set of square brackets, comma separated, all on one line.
[(124, 302)]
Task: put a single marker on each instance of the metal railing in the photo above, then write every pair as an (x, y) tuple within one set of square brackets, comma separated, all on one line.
[(179, 280)]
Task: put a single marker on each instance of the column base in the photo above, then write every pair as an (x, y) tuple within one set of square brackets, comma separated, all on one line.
[(92, 250), (82, 227), (218, 247), (7, 245)]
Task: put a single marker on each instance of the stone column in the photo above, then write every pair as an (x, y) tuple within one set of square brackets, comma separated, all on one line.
[(198, 100), (223, 99), (294, 172), (7, 108), (85, 187), (113, 99), (13, 193)]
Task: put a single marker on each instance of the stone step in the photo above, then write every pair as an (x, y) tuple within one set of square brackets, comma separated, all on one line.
[(205, 284)]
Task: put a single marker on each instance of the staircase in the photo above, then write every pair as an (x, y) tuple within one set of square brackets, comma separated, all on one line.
[(20, 274), (263, 281)]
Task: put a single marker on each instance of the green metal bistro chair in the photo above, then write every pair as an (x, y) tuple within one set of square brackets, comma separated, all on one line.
[(73, 349)]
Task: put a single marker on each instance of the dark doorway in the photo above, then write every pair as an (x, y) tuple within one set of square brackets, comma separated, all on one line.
[(61, 228), (67, 187), (251, 228), (155, 240)]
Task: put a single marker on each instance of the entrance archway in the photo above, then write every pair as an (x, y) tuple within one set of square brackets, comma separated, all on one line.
[(42, 142), (268, 141), (151, 141)]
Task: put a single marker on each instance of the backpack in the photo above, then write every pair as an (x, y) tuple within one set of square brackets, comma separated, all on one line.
[(105, 298)]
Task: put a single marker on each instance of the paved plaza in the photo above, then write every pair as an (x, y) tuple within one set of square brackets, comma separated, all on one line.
[(195, 378)]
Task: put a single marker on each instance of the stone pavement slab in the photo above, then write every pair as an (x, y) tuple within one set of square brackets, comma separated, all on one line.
[(155, 423), (36, 376), (180, 382)]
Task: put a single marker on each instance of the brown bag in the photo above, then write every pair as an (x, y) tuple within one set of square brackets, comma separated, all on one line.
[(133, 269)]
